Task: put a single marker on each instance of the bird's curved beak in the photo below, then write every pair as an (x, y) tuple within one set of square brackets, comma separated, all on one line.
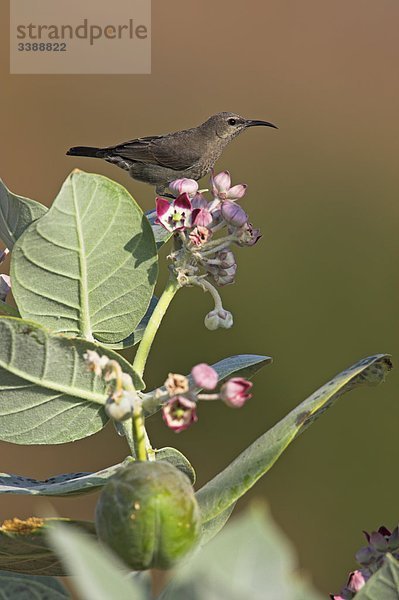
[(255, 123)]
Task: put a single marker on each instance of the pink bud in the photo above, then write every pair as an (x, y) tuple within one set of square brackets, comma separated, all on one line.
[(184, 186), (199, 201), (5, 286), (235, 392), (202, 217), (356, 581), (234, 214), (227, 258), (237, 191), (218, 318), (221, 183), (179, 413), (205, 376)]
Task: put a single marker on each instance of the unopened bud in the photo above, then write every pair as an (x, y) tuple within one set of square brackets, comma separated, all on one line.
[(227, 258), (120, 407), (233, 214), (184, 186), (218, 318), (225, 276)]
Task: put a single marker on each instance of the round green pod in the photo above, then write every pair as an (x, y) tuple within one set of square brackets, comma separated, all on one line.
[(148, 515)]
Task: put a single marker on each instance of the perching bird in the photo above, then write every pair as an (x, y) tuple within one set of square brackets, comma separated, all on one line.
[(160, 159)]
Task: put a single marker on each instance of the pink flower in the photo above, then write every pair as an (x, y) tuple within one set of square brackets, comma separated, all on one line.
[(179, 413), (233, 214), (200, 235), (5, 286), (205, 376), (202, 217), (221, 187), (174, 215), (235, 392), (184, 186)]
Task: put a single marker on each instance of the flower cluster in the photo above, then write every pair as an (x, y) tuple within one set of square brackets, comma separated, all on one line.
[(205, 232), (122, 397), (181, 395), (370, 558)]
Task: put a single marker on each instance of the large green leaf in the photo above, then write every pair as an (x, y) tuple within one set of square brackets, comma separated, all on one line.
[(67, 484), (47, 393), (232, 483), (88, 267), (250, 559), (212, 527), (24, 546), (384, 584), (97, 574), (16, 214), (243, 365), (138, 333), (23, 587)]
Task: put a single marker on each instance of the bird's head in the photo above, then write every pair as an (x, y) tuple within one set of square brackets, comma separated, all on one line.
[(228, 125)]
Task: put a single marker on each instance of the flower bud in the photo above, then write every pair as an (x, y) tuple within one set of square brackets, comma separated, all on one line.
[(218, 318), (227, 258), (148, 515), (233, 214), (121, 407), (5, 286), (356, 581), (202, 217), (199, 201), (221, 184), (184, 186), (235, 392), (205, 376), (225, 276)]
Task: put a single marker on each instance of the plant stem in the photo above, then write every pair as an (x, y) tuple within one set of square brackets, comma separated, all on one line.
[(145, 345), (139, 433)]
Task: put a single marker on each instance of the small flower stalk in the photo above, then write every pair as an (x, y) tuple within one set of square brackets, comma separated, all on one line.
[(180, 396), (205, 232)]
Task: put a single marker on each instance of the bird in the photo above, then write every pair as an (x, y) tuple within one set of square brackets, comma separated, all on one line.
[(190, 153)]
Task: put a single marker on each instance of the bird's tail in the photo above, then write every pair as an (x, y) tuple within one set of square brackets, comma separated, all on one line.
[(87, 151)]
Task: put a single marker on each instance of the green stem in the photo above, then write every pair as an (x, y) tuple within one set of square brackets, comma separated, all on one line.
[(139, 434), (145, 345)]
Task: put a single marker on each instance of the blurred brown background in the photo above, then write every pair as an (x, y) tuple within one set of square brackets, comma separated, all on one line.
[(317, 293)]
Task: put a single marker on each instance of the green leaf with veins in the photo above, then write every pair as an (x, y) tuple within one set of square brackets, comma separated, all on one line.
[(232, 483), (15, 586), (384, 584), (88, 267), (47, 393), (24, 546), (16, 214)]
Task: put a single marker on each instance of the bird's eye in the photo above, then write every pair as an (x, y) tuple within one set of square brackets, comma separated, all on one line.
[(232, 121)]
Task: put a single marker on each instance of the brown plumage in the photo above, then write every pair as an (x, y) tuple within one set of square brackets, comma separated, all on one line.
[(159, 159)]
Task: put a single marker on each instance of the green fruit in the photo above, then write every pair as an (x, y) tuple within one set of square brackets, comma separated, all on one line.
[(147, 513)]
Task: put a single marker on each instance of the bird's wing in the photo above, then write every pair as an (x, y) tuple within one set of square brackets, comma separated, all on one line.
[(159, 150)]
